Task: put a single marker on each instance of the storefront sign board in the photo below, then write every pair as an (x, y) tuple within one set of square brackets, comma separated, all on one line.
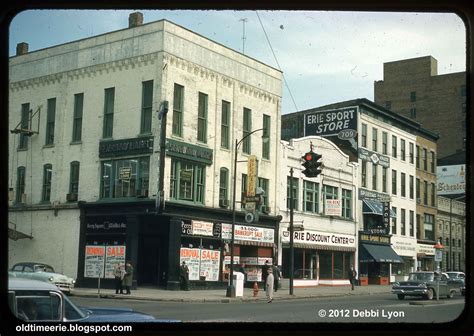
[(248, 233)]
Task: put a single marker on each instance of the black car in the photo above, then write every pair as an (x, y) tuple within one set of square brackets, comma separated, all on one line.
[(425, 284)]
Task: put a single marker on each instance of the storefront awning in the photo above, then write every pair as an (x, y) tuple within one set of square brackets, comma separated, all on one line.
[(253, 243), (378, 253), (375, 207), (320, 247)]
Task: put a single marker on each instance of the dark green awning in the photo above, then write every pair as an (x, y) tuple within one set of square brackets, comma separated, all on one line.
[(378, 253)]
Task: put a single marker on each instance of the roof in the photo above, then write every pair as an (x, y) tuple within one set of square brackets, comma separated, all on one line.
[(29, 284)]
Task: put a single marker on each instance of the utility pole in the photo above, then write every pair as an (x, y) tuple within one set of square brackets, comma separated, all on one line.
[(244, 20), (292, 253)]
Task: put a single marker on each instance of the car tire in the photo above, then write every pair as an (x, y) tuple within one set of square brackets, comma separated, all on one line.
[(401, 296), (430, 295), (451, 294)]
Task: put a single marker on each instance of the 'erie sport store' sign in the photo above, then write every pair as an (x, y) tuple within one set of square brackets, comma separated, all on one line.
[(331, 122)]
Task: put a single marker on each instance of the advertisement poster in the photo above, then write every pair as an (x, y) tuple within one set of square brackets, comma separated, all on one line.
[(200, 228), (191, 256), (254, 273), (248, 233), (333, 207), (94, 261), (114, 255), (201, 263), (451, 179)]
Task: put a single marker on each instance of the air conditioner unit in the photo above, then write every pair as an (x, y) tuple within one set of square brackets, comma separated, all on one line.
[(71, 197), (223, 203)]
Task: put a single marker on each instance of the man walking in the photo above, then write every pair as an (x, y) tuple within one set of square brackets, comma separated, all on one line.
[(276, 277), (269, 285), (352, 276)]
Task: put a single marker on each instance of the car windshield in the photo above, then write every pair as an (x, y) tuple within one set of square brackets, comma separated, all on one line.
[(421, 276), (44, 268)]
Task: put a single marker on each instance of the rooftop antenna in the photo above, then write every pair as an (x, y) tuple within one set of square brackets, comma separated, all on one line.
[(244, 20)]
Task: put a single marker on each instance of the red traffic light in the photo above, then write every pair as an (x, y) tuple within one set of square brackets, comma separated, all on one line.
[(308, 156)]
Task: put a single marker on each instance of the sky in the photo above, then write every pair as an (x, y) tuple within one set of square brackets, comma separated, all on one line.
[(326, 56)]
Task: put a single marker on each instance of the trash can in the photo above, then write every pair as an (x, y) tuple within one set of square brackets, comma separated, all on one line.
[(238, 284)]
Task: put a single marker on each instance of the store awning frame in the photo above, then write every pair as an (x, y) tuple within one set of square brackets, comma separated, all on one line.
[(320, 247), (379, 253), (375, 207)]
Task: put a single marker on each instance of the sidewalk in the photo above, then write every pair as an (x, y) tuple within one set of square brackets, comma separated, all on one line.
[(155, 294)]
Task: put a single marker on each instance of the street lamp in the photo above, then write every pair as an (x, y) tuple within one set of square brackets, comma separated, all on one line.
[(229, 292)]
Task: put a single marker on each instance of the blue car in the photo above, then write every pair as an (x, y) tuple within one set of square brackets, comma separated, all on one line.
[(33, 300)]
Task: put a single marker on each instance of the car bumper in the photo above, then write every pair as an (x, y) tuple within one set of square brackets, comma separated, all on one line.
[(410, 291)]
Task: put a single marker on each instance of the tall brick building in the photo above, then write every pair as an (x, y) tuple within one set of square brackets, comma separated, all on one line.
[(414, 89)]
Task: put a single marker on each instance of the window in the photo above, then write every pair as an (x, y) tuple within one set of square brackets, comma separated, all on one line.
[(109, 98), (429, 222), (311, 197), (243, 188), (412, 154), (74, 178), (50, 119), (384, 179), (394, 146), (264, 184), (374, 139), (247, 128), (412, 187), (147, 106), (178, 109), (266, 142), (388, 105), (202, 118), (413, 96), (463, 90), (418, 154), (128, 178), (347, 203), (187, 182), (394, 182), (374, 176), (425, 192), (433, 194), (418, 191), (25, 124), (403, 184), (384, 142), (294, 194), (411, 223), (47, 176), (413, 111), (330, 193), (223, 184), (394, 221), (225, 125), (77, 118), (418, 227), (424, 159), (364, 135), (402, 222), (364, 174), (432, 162), (20, 183), (402, 149)]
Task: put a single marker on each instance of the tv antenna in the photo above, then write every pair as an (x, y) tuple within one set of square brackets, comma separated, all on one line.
[(244, 20)]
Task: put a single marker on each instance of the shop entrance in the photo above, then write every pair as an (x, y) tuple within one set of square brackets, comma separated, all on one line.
[(149, 265)]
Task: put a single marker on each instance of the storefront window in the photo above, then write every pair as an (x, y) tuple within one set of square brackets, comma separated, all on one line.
[(187, 181), (125, 178), (334, 265), (403, 268)]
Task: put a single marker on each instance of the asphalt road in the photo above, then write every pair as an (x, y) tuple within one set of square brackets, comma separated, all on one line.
[(385, 308)]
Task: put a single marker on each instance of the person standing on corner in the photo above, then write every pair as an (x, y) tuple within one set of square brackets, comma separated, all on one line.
[(276, 277), (128, 277), (265, 269), (184, 276), (118, 275), (352, 276), (269, 285)]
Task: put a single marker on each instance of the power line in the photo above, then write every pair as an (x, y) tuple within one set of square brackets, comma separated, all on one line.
[(276, 60)]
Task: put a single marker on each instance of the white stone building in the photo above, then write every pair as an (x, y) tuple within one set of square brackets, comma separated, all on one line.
[(90, 176)]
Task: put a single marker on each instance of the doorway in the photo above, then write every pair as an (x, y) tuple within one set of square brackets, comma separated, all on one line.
[(149, 261)]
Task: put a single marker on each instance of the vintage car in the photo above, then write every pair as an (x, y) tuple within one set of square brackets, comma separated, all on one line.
[(425, 284), (42, 272), (33, 300)]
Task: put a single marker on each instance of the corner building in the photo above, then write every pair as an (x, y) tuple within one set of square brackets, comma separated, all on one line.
[(84, 189)]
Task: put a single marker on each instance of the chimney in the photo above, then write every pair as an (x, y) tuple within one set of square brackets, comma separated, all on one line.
[(135, 19), (21, 48)]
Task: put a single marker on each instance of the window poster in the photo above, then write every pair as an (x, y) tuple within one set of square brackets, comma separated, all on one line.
[(94, 261), (114, 255), (201, 262)]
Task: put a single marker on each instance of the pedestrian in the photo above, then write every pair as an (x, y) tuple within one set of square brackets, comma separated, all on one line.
[(352, 276), (184, 276), (265, 269), (128, 277), (119, 272), (269, 285), (276, 277)]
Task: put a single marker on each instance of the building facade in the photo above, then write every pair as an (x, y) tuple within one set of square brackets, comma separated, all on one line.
[(413, 88), (324, 210), (86, 188)]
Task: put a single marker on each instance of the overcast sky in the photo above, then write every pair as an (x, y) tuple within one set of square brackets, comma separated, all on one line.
[(326, 57)]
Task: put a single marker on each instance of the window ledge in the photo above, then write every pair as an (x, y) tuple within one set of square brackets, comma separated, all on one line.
[(48, 146), (76, 142)]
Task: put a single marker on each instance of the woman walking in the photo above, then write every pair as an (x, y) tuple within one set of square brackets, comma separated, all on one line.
[(269, 285)]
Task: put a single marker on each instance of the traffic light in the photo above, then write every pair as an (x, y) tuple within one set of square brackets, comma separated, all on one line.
[(311, 164)]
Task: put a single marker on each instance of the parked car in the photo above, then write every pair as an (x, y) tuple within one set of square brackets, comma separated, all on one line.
[(424, 284), (459, 278), (33, 300), (42, 272)]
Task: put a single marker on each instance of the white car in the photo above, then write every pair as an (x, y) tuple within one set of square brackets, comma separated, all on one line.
[(42, 272)]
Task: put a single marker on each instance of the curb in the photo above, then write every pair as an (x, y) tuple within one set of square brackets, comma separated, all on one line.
[(426, 303)]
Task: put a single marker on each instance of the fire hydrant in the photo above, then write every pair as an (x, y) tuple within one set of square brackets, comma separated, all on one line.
[(255, 289)]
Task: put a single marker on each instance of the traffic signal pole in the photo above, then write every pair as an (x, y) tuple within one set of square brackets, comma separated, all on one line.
[(292, 251)]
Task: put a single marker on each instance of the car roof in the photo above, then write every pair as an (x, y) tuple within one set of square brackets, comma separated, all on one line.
[(30, 263), (29, 284)]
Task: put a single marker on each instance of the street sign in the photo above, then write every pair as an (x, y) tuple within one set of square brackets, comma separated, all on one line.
[(251, 175), (439, 255), (298, 227)]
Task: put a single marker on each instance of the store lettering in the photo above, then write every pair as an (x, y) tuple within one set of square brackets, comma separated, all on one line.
[(116, 251), (189, 253), (209, 255), (96, 251)]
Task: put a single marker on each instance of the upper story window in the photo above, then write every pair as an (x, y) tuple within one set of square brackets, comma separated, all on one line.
[(394, 146), (147, 106), (224, 184), (125, 177), (294, 193), (187, 181), (432, 162), (20, 183), (74, 178), (311, 197), (266, 139), (418, 154), (243, 189), (247, 128), (50, 120), (178, 109), (265, 185), (394, 182), (411, 150), (202, 118), (384, 143), (225, 125), (364, 174), (403, 182), (77, 118), (402, 149), (374, 176), (364, 135), (347, 203), (384, 179), (109, 102), (374, 139), (424, 159), (413, 96), (413, 111), (47, 176), (24, 124), (463, 90)]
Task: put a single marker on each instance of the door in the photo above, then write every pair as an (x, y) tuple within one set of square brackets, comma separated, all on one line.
[(149, 251)]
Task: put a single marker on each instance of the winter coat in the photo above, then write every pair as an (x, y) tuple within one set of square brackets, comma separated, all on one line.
[(269, 286), (128, 278)]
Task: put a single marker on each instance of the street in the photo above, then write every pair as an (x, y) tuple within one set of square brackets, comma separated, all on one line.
[(384, 308)]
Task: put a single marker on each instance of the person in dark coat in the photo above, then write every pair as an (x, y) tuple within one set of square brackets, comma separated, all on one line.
[(276, 277), (242, 270), (119, 272), (184, 276), (128, 277), (265, 269), (352, 274)]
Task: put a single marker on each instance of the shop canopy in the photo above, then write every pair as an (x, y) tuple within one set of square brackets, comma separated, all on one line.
[(376, 208), (378, 253)]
